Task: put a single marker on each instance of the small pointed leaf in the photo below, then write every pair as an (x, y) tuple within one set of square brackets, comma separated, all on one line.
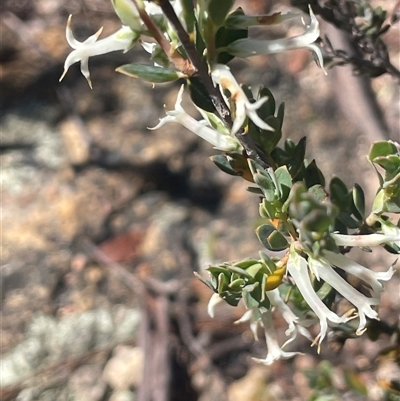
[(150, 73)]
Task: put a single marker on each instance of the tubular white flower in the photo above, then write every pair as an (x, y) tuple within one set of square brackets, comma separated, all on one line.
[(254, 317), (365, 240), (368, 276), (250, 47), (274, 350), (291, 319), (123, 39), (200, 128), (360, 301), (298, 269), (222, 76)]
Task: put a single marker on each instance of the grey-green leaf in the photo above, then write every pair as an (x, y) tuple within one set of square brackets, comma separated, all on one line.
[(150, 73)]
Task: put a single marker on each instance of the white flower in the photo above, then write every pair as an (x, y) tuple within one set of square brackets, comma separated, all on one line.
[(222, 76), (360, 301), (367, 240), (254, 317), (368, 276), (298, 268), (219, 140), (123, 39), (275, 352), (295, 326), (251, 47)]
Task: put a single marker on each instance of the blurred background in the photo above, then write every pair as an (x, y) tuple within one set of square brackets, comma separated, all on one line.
[(104, 221)]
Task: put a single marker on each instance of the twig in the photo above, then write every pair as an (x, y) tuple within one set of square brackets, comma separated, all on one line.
[(179, 62), (200, 66), (129, 279), (139, 286)]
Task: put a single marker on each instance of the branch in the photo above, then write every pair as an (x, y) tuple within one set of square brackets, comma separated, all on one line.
[(195, 58)]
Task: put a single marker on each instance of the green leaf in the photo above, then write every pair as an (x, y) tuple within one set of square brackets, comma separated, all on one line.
[(249, 301), (255, 190), (381, 148), (390, 163), (267, 209), (271, 238), (339, 194), (225, 36), (269, 139), (266, 185), (268, 108), (358, 202), (222, 283), (280, 114), (150, 73), (188, 15), (269, 263), (313, 176), (239, 271), (222, 162), (216, 270), (284, 182), (379, 202), (254, 269), (236, 284), (245, 264), (297, 158), (218, 10)]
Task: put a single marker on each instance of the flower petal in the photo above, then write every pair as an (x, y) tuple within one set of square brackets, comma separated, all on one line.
[(360, 271), (274, 350), (360, 301), (298, 269)]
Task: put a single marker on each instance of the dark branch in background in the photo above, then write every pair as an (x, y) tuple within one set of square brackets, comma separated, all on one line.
[(214, 93), (372, 56)]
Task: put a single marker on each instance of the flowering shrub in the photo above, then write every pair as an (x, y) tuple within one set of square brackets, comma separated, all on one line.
[(309, 226)]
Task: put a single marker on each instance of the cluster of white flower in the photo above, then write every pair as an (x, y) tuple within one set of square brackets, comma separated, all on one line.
[(126, 37), (323, 268)]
